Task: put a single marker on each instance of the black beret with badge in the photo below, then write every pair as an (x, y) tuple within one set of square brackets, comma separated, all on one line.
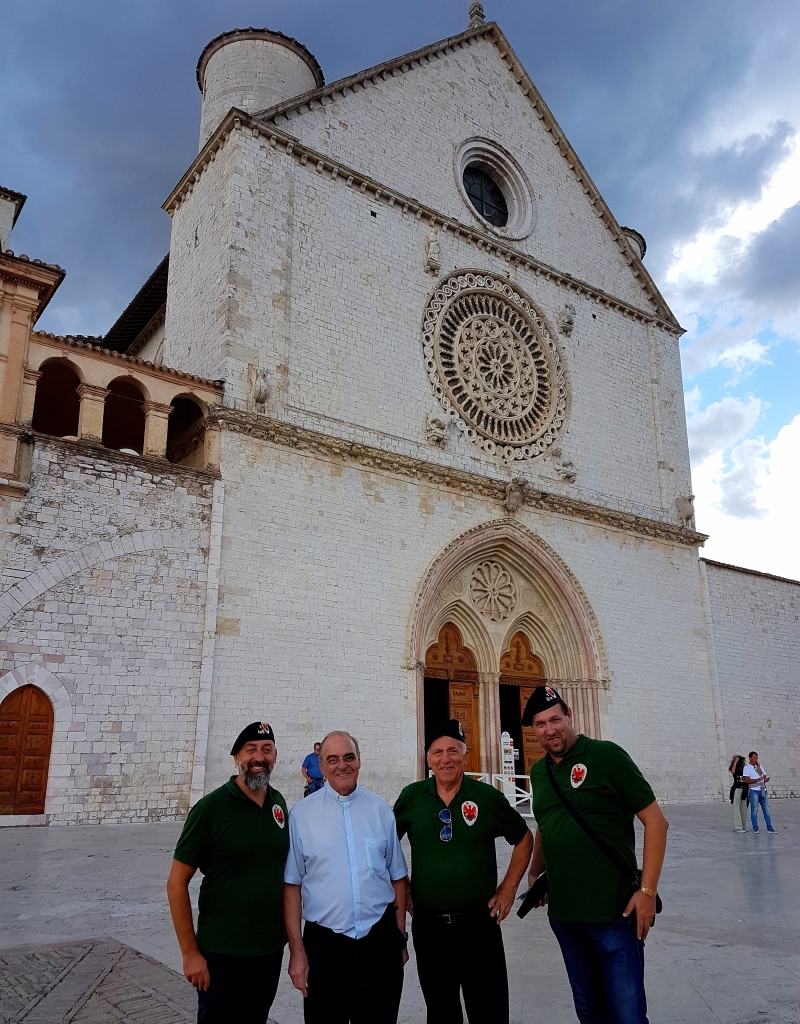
[(542, 698), (252, 733), (452, 729)]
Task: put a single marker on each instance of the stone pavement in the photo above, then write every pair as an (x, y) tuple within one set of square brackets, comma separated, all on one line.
[(726, 950)]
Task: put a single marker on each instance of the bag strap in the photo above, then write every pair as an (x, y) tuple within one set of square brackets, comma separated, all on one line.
[(619, 863)]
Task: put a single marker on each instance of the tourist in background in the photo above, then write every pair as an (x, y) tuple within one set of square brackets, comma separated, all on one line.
[(738, 793), (757, 780), (312, 771)]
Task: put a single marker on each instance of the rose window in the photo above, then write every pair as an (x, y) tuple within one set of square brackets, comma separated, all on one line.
[(494, 366), (493, 591)]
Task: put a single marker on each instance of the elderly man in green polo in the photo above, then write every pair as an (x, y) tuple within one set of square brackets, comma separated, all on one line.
[(452, 822), (585, 795), (237, 837)]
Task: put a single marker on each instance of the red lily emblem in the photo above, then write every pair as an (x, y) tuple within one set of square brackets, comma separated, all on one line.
[(278, 815), (470, 812), (577, 775)]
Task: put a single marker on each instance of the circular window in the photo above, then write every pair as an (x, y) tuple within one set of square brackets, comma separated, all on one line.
[(495, 188), (486, 196), (494, 366)]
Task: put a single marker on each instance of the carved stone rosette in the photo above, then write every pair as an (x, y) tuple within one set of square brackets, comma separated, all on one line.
[(494, 366), (493, 591)]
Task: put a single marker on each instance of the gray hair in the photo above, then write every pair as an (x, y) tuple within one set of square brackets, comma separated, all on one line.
[(341, 732)]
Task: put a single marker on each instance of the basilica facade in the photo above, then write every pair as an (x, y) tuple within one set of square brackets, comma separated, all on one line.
[(394, 434)]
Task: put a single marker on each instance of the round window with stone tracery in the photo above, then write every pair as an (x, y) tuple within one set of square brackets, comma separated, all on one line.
[(494, 366)]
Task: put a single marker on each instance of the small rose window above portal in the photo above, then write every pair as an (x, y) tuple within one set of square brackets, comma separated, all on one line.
[(486, 196)]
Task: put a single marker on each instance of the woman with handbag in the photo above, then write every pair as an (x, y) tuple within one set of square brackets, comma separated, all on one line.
[(738, 794)]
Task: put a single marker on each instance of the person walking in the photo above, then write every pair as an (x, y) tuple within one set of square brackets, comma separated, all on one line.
[(457, 906), (237, 837), (346, 876), (738, 793), (599, 915), (312, 771), (757, 780)]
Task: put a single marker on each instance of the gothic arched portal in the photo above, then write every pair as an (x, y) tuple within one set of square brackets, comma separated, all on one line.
[(26, 736)]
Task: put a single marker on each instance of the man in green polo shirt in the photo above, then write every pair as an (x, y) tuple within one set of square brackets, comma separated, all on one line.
[(237, 837), (452, 822), (600, 915)]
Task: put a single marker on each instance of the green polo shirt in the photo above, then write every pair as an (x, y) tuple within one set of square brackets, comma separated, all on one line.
[(451, 877), (607, 789), (240, 849)]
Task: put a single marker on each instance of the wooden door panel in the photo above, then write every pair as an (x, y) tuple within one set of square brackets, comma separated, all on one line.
[(464, 708), (532, 749), (26, 735)]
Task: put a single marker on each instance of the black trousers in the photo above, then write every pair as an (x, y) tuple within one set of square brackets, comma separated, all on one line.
[(354, 981), (465, 955), (242, 989)]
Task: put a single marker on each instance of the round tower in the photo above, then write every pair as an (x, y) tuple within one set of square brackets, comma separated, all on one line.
[(252, 69)]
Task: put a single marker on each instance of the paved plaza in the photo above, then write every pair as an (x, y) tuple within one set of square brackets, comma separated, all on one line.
[(85, 935)]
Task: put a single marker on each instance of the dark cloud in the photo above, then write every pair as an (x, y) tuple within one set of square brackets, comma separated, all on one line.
[(769, 271), (100, 110)]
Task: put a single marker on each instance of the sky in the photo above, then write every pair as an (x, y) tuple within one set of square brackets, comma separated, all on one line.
[(685, 114)]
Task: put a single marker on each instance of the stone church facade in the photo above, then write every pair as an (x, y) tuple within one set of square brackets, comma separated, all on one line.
[(394, 433)]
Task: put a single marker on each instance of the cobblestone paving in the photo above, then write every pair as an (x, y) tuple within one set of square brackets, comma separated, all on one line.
[(93, 982)]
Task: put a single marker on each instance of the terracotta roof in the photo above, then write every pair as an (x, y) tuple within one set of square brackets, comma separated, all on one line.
[(258, 33), (147, 302)]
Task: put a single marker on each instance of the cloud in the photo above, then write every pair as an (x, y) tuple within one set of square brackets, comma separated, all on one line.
[(750, 511), (768, 271), (720, 425), (739, 487)]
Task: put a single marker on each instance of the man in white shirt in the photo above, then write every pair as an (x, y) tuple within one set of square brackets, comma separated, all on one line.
[(757, 780), (346, 876)]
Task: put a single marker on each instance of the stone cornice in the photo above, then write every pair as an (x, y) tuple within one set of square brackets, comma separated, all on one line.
[(71, 342), (44, 278), (491, 31), (484, 241), (415, 469)]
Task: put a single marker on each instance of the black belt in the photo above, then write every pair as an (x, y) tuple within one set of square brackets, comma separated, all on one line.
[(462, 915)]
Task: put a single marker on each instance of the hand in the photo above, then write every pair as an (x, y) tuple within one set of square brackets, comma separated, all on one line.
[(645, 907), (409, 902), (501, 903), (195, 970), (298, 970)]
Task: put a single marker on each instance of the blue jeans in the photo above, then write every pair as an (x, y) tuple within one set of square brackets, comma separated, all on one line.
[(605, 966), (759, 797)]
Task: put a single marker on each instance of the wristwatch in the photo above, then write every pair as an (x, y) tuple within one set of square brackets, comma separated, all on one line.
[(648, 892)]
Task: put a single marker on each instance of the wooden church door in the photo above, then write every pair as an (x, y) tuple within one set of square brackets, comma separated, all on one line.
[(519, 668), (26, 735), (449, 660)]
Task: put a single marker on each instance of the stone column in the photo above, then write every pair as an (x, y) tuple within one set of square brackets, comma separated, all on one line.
[(212, 443), (489, 698), (30, 379), (155, 429), (16, 314), (93, 405)]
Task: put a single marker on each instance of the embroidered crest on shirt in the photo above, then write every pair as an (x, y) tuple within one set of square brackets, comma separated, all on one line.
[(470, 812), (278, 815), (577, 775)]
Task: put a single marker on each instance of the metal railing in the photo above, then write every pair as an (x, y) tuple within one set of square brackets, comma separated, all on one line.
[(519, 796)]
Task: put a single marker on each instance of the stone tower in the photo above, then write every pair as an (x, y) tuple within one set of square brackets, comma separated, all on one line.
[(252, 69)]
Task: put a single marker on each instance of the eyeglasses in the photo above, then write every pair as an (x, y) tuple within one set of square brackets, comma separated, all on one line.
[(333, 760), (447, 832)]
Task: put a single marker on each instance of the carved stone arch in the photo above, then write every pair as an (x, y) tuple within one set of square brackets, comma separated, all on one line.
[(34, 674), (548, 605)]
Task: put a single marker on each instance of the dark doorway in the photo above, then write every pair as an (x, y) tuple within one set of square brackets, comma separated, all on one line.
[(437, 703), (511, 722), (57, 406), (123, 420)]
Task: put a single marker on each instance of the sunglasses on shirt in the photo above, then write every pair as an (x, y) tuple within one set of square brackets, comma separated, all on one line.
[(447, 832)]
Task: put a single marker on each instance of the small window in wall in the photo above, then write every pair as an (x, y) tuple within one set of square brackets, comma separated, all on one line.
[(123, 420), (486, 195), (57, 406), (184, 445)]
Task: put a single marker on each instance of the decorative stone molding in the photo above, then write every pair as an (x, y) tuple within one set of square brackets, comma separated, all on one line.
[(493, 591), (510, 178), (461, 481), (684, 506), (566, 319), (494, 366), (436, 430), (260, 392), (515, 495), (476, 15), (385, 195)]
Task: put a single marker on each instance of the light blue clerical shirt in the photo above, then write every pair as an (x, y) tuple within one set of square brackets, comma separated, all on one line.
[(345, 854)]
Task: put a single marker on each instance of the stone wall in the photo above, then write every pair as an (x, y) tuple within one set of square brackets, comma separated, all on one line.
[(756, 624), (104, 586)]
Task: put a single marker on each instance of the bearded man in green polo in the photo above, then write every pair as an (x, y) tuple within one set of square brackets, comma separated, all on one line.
[(457, 906), (600, 913)]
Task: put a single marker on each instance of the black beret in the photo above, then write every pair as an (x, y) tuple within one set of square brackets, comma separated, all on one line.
[(254, 731), (542, 698), (452, 729)]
